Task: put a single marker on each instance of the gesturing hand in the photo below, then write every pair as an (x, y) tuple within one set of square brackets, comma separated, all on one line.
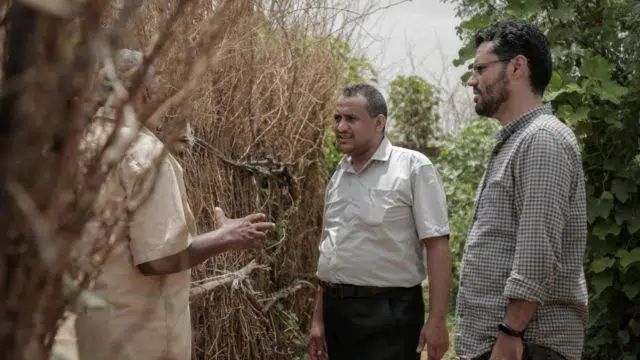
[(245, 233)]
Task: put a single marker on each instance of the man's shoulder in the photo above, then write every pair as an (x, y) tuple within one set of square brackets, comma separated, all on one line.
[(554, 129), (413, 158)]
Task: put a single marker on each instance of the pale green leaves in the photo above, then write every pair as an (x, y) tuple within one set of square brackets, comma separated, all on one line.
[(602, 264), (86, 298), (598, 70), (522, 9), (628, 257)]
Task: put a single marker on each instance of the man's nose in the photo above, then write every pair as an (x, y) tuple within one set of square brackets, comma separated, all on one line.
[(473, 81), (340, 125)]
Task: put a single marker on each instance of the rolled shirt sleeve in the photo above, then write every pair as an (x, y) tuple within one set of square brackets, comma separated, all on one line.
[(429, 202), (542, 190), (158, 227)]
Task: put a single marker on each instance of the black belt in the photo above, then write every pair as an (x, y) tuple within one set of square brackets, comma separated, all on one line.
[(341, 291)]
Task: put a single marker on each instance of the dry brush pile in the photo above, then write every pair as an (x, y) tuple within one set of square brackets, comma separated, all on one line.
[(259, 117), (255, 79)]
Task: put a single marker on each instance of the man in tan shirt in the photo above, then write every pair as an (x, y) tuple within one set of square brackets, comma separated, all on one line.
[(146, 278), (384, 206)]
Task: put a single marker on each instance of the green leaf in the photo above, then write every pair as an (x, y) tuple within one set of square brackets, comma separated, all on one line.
[(465, 53), (599, 208), (556, 81), (604, 228), (631, 290), (612, 91), (562, 13), (596, 67), (574, 88), (621, 189), (600, 282), (606, 195), (564, 111), (602, 264), (623, 214), (477, 22), (580, 114), (89, 299), (634, 224), (628, 257), (522, 8)]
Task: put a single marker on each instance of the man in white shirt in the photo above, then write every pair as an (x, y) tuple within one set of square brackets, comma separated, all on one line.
[(384, 206)]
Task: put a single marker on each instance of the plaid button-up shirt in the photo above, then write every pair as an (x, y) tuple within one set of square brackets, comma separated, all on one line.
[(527, 239)]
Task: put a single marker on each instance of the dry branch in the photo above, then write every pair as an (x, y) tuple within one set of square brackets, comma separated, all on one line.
[(198, 291)]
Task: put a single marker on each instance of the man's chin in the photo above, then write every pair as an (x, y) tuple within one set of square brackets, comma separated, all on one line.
[(345, 149), (482, 111)]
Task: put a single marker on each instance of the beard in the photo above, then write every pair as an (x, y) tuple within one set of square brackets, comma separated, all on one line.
[(493, 96)]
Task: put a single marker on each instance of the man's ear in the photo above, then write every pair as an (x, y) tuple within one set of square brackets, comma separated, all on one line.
[(381, 121), (520, 66)]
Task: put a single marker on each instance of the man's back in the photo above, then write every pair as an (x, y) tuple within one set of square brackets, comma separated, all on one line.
[(148, 316)]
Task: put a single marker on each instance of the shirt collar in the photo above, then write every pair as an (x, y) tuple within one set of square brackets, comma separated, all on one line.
[(522, 121), (383, 153)]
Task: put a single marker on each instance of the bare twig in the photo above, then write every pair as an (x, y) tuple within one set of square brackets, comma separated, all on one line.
[(201, 290)]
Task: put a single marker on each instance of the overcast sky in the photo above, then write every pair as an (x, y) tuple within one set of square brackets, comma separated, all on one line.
[(416, 37)]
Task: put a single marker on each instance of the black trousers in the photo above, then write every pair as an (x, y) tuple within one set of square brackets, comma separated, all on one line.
[(380, 326), (532, 352)]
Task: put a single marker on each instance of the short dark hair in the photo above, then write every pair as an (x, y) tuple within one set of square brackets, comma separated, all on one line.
[(376, 104), (517, 37)]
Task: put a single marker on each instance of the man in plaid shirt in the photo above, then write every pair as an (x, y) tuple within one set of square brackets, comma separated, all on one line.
[(522, 289)]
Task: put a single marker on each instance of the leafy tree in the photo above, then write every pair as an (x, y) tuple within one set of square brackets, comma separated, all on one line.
[(595, 89), (413, 110)]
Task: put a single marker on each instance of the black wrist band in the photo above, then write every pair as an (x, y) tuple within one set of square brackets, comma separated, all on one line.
[(510, 331)]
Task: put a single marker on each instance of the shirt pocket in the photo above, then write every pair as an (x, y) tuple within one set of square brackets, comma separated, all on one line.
[(377, 206)]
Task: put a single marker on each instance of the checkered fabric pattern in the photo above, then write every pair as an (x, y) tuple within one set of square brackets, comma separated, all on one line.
[(527, 239)]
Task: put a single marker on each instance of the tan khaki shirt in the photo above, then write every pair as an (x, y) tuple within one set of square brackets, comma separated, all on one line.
[(148, 317), (375, 219)]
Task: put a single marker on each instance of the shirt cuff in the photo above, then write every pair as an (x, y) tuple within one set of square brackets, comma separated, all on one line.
[(519, 287), (433, 231)]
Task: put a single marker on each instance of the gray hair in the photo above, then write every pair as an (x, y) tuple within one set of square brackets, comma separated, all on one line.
[(126, 62)]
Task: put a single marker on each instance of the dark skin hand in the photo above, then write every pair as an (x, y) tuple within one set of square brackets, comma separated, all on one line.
[(317, 346), (434, 336), (245, 233)]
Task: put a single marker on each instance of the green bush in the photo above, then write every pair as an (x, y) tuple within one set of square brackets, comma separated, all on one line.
[(461, 163)]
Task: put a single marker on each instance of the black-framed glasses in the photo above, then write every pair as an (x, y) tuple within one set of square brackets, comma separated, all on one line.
[(479, 68)]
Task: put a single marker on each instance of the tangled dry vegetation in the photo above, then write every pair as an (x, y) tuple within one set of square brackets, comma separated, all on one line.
[(256, 81), (259, 117)]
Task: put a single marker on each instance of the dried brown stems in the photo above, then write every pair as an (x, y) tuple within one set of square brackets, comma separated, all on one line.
[(256, 80)]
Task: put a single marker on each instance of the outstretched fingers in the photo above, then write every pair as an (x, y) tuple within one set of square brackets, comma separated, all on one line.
[(263, 226), (258, 217)]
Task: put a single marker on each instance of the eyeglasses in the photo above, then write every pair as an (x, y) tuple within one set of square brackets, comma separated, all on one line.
[(479, 68)]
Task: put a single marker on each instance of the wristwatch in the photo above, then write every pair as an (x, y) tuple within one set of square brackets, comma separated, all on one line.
[(510, 331)]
